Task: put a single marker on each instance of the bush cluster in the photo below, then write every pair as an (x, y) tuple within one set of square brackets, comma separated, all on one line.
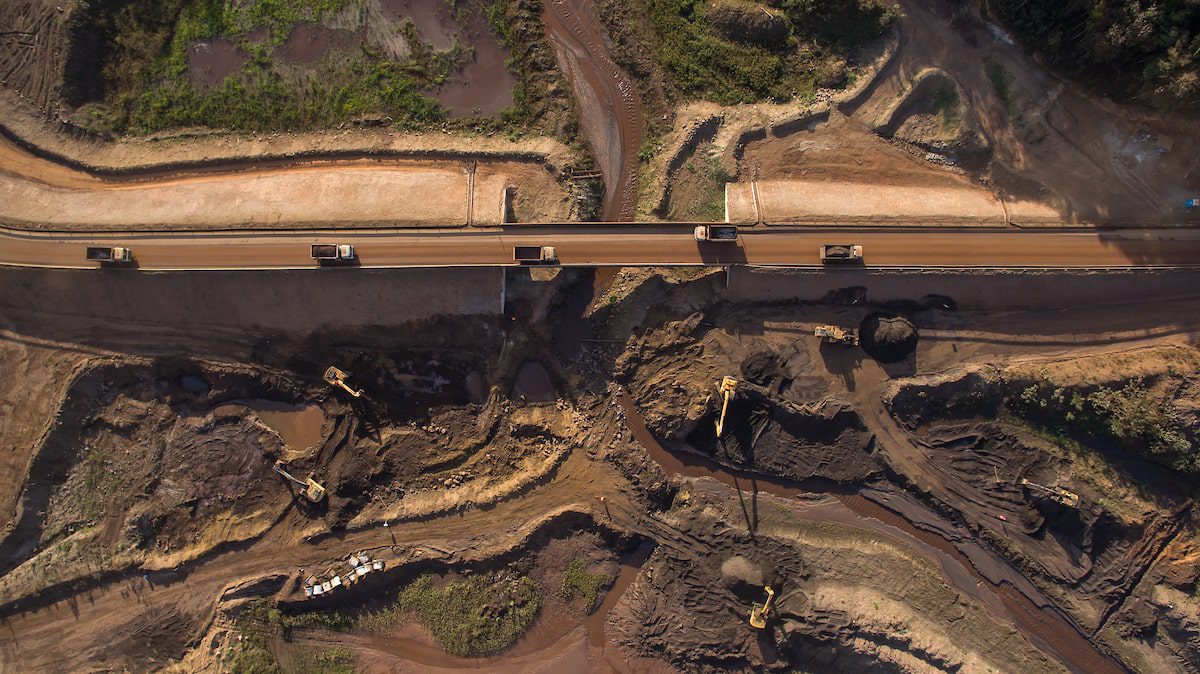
[(1131, 416), (1146, 50)]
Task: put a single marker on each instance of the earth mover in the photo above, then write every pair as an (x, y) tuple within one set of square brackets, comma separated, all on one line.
[(1059, 495), (728, 389), (330, 252), (313, 490), (109, 255), (832, 334), (841, 253), (337, 377), (760, 613), (725, 233), (530, 255)]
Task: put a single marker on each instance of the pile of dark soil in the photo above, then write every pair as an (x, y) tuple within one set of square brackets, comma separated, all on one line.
[(888, 338), (761, 368), (776, 438)]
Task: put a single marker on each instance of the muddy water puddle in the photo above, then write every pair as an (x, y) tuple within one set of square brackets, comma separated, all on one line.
[(299, 426), (211, 61), (980, 575), (485, 86), (433, 19)]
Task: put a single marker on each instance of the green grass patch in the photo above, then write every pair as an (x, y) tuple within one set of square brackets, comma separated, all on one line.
[(946, 106), (577, 581), (473, 617), (136, 80), (724, 64), (1132, 416), (1001, 81), (338, 660)]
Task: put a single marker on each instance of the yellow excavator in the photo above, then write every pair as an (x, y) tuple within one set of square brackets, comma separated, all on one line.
[(728, 388), (761, 613), (1057, 494), (336, 377), (313, 491)]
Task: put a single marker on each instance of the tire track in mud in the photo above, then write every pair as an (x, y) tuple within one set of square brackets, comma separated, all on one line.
[(609, 108)]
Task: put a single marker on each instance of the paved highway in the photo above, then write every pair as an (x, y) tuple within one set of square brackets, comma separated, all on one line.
[(617, 245)]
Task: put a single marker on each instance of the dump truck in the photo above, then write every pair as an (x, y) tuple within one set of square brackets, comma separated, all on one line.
[(727, 233), (841, 253), (332, 252), (109, 255), (535, 254), (835, 335)]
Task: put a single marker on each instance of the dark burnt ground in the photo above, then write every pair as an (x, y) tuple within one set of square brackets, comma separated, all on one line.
[(776, 438)]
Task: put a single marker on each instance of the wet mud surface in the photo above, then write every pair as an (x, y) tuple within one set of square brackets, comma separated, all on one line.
[(211, 61), (607, 101)]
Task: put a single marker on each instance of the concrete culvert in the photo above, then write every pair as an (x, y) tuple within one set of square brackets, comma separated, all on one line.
[(888, 338)]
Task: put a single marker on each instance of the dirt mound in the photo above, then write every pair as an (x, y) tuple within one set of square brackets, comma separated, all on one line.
[(750, 22), (761, 368), (888, 338), (777, 438)]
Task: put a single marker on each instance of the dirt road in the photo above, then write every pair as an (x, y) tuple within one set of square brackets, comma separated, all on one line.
[(609, 108), (611, 245)]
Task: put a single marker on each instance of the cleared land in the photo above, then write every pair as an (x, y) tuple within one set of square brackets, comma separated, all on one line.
[(488, 463)]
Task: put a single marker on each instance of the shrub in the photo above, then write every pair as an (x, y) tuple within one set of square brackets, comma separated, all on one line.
[(577, 581)]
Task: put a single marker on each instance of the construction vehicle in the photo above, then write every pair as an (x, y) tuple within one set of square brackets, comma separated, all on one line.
[(728, 388), (313, 491), (844, 253), (835, 335), (761, 613), (1059, 495), (535, 255), (330, 252), (726, 233), (109, 255), (336, 377)]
